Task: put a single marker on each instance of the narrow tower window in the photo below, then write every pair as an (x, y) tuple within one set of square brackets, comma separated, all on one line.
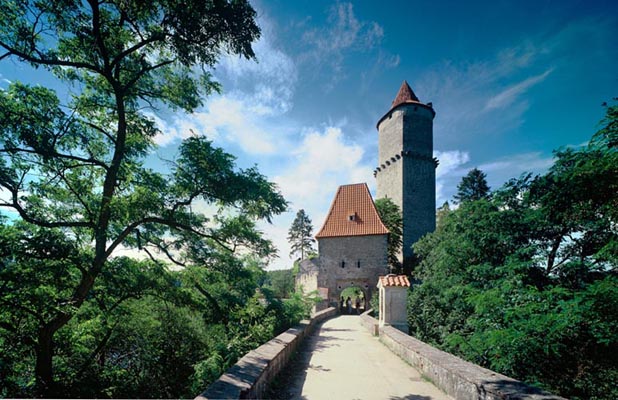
[(358, 264), (342, 264)]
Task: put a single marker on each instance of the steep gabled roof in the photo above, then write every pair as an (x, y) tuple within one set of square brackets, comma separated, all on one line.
[(352, 213)]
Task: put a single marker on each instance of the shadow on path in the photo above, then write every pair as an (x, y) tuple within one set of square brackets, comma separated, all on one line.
[(296, 370)]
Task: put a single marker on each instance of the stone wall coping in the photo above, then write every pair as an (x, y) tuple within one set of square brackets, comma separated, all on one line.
[(458, 378), (250, 376), (369, 322)]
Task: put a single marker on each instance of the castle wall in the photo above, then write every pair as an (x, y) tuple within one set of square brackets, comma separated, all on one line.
[(370, 252), (307, 277)]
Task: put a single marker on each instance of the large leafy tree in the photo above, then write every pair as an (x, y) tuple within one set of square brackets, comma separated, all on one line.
[(71, 168), (472, 187), (299, 235), (525, 282), (390, 214)]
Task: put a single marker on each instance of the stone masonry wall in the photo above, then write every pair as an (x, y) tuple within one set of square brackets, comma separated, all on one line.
[(458, 378), (307, 277), (370, 251), (406, 170)]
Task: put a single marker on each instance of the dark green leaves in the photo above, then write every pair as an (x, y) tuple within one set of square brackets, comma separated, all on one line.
[(524, 282)]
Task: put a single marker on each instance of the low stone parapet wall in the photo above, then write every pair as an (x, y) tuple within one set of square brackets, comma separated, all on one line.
[(456, 377), (249, 377), (369, 322)]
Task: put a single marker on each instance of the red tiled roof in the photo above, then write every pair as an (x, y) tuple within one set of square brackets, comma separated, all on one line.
[(394, 280), (405, 95), (352, 213)]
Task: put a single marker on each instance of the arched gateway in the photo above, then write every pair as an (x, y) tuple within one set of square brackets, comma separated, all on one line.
[(352, 248)]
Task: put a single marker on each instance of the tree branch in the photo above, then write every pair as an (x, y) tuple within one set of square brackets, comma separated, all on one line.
[(28, 218), (48, 62), (136, 47), (143, 72), (161, 221), (91, 161)]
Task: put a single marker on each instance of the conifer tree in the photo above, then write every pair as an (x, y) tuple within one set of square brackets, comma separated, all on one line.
[(299, 235), (472, 187)]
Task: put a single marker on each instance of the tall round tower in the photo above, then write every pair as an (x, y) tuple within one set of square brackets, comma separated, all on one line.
[(407, 169)]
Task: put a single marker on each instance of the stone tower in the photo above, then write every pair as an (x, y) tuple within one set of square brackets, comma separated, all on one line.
[(407, 169)]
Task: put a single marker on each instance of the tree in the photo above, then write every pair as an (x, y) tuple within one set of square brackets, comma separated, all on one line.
[(281, 282), (390, 214), (524, 282), (472, 187), (299, 235), (73, 168)]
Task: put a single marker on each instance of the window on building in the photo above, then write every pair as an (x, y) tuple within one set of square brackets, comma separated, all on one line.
[(342, 264), (358, 264)]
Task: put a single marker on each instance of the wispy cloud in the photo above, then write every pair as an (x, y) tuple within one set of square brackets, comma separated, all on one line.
[(327, 47), (510, 94), (460, 93), (502, 169), (268, 83)]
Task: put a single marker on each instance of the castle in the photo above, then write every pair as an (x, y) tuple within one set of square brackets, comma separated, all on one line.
[(352, 243)]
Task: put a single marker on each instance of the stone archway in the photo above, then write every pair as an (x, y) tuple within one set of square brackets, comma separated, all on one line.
[(354, 288)]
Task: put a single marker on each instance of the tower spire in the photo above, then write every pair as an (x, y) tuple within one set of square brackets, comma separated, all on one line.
[(405, 95)]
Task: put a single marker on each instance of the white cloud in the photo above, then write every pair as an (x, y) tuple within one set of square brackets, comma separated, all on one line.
[(246, 115), (322, 161), (449, 171)]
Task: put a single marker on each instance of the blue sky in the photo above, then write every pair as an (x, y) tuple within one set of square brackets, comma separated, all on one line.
[(510, 82)]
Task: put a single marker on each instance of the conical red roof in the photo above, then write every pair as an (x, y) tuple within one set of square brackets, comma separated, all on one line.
[(405, 95), (352, 213)]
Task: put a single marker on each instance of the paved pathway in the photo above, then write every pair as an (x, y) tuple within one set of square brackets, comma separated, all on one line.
[(342, 360)]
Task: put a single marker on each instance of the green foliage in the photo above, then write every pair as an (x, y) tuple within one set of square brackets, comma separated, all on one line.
[(299, 235), (472, 187), (145, 324), (280, 282), (391, 217), (76, 321), (525, 282)]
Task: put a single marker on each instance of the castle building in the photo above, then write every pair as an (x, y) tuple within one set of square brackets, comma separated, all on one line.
[(352, 247), (352, 243), (407, 169)]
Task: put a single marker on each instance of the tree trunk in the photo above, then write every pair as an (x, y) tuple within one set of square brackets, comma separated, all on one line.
[(43, 369)]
